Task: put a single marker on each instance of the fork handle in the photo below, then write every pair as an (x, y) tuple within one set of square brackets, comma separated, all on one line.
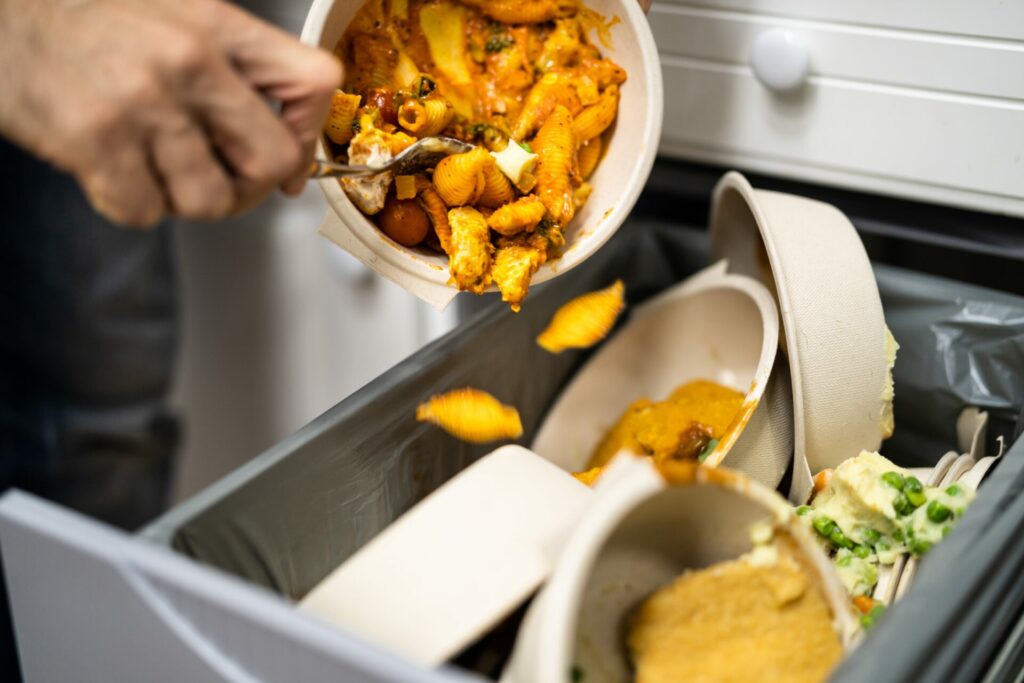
[(321, 168)]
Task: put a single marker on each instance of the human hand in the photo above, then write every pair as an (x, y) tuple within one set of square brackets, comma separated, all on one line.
[(160, 107)]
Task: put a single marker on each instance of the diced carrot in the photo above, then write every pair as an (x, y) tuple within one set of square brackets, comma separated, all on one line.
[(864, 603), (821, 480)]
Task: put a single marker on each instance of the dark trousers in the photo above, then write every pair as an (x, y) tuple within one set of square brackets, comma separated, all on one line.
[(88, 334)]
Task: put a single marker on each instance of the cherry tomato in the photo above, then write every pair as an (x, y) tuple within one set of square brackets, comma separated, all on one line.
[(403, 221), (384, 100)]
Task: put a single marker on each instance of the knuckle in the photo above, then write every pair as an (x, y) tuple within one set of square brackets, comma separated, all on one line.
[(184, 55)]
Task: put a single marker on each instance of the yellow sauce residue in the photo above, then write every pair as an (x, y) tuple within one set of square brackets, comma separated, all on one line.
[(736, 621), (677, 428)]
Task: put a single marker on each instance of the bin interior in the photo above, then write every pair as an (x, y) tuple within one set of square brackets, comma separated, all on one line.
[(297, 511)]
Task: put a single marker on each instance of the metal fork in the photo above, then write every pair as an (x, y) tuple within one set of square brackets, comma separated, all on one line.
[(422, 154)]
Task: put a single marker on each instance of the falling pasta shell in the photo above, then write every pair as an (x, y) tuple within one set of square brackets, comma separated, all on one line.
[(584, 321), (471, 415)]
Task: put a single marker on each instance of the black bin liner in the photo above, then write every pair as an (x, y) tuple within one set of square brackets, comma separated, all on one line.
[(296, 512)]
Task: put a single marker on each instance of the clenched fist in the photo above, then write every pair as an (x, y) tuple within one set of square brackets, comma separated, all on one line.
[(157, 107)]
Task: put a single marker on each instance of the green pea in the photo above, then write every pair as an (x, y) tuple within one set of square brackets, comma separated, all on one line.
[(919, 548), (937, 512), (895, 480), (839, 539), (803, 510), (914, 491), (861, 551), (871, 536), (824, 526), (954, 490), (902, 505), (897, 536)]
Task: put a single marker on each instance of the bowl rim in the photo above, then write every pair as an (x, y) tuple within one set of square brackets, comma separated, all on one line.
[(710, 279), (415, 271)]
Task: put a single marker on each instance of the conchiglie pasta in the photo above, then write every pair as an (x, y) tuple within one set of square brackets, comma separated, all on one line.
[(373, 62), (425, 117), (521, 215), (596, 118), (551, 90), (497, 188), (459, 179), (436, 211), (342, 114), (555, 146), (588, 156), (524, 11)]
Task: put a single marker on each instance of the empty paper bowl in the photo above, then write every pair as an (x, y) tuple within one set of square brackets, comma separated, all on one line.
[(452, 567), (640, 534), (810, 256), (616, 183), (713, 326)]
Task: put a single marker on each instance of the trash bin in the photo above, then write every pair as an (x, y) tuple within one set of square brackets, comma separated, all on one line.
[(293, 514)]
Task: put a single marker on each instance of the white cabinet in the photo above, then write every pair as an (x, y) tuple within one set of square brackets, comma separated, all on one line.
[(925, 103)]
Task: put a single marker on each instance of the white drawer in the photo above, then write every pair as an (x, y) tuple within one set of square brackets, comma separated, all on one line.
[(938, 118), (985, 18)]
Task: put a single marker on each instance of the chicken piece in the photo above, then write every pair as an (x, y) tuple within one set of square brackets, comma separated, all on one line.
[(371, 146), (516, 261), (471, 253)]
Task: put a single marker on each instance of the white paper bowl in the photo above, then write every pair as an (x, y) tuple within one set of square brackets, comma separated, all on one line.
[(452, 567), (638, 536), (712, 326), (831, 312), (616, 184)]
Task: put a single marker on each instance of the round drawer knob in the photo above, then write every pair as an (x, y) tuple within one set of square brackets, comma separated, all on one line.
[(780, 61)]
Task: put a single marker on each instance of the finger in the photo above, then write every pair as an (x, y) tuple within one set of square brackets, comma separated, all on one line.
[(301, 77), (257, 146), (196, 184), (122, 187)]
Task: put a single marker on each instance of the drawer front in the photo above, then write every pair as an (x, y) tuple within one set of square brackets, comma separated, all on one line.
[(982, 18), (925, 116), (993, 68)]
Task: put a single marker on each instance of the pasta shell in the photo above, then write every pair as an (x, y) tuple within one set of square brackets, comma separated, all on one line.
[(471, 415), (584, 321)]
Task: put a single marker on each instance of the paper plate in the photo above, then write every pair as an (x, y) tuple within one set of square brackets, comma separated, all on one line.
[(457, 563), (810, 256), (712, 326), (616, 183), (639, 535)]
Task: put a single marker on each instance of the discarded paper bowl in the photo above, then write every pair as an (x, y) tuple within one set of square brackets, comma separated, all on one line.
[(616, 183), (452, 567), (810, 256), (639, 535), (711, 326)]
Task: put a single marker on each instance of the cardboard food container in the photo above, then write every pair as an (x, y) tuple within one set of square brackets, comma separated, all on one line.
[(453, 566), (617, 182), (811, 258), (712, 326), (639, 535)]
